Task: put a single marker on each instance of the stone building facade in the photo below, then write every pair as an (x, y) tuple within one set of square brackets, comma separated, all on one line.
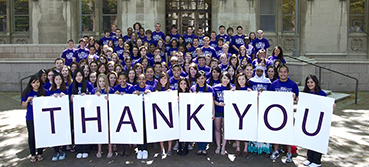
[(331, 33)]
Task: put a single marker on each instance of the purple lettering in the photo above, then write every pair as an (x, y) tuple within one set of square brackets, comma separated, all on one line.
[(131, 121), (193, 116), (239, 114), (84, 119), (169, 122), (52, 120), (284, 117), (319, 123)]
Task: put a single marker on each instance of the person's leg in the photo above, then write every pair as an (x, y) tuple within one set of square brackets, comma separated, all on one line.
[(31, 138), (162, 149), (224, 141), (217, 133), (310, 156), (317, 157)]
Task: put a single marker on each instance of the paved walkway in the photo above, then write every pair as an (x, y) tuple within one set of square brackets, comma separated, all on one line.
[(349, 143)]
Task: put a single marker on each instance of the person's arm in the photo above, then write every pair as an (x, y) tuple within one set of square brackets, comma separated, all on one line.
[(25, 103)]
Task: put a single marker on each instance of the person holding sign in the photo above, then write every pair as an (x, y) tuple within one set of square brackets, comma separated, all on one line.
[(140, 89), (164, 85), (284, 84), (33, 89), (201, 87), (183, 87), (225, 84), (58, 89), (80, 86), (103, 88), (259, 82), (312, 86)]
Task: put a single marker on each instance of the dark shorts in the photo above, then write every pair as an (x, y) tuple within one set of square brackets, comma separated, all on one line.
[(219, 114)]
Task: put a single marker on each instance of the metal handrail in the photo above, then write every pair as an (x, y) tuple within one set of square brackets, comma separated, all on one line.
[(325, 68)]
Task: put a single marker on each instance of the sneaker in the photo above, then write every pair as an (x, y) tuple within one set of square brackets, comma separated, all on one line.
[(175, 148), (315, 165), (306, 163), (139, 154), (145, 154), (190, 147), (274, 155), (55, 157), (62, 155), (84, 155), (169, 153), (289, 158), (79, 156)]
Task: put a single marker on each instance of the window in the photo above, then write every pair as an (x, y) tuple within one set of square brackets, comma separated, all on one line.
[(3, 16), (185, 13), (357, 16), (109, 12), (21, 16), (88, 15), (267, 15), (288, 14)]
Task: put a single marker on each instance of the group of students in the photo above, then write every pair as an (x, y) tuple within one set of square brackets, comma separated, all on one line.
[(150, 66)]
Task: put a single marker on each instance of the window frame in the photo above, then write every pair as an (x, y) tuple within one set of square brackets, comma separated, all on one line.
[(365, 28)]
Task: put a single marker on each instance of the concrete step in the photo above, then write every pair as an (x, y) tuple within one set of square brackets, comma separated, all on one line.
[(339, 96)]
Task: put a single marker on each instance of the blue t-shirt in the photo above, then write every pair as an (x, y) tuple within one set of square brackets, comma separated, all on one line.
[(288, 86), (273, 58), (119, 51), (29, 114), (173, 83), (215, 82), (256, 86), (142, 90), (105, 40), (213, 43), (68, 55), (225, 37), (202, 89), (47, 85), (57, 91), (89, 88), (153, 83), (127, 38), (128, 89), (156, 36), (237, 41), (260, 44), (81, 54), (218, 50), (223, 67), (176, 37), (321, 93), (102, 91), (206, 69), (218, 91), (209, 51), (189, 38)]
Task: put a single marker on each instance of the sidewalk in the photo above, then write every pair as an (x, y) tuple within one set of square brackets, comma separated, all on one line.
[(348, 144)]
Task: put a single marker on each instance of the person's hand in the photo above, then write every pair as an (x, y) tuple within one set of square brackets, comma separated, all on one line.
[(233, 89), (213, 117), (116, 92), (334, 106), (147, 91), (248, 89), (82, 94), (61, 94), (107, 98), (168, 90), (122, 93), (55, 95), (98, 93), (221, 104), (136, 92), (29, 99)]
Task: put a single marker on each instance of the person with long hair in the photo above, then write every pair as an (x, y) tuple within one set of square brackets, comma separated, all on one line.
[(33, 89), (277, 54), (201, 86), (218, 115), (312, 86), (214, 76)]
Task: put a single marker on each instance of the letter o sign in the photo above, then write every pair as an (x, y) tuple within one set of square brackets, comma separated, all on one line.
[(284, 117)]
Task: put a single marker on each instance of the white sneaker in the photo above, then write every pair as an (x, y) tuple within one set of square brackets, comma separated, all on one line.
[(306, 163), (139, 154), (79, 156), (315, 165), (176, 146), (190, 147), (145, 154), (84, 155), (289, 158), (274, 155)]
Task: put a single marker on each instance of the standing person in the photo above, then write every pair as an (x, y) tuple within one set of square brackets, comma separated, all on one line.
[(115, 38), (218, 115), (164, 85), (114, 28), (120, 47), (219, 47), (58, 89), (140, 89), (150, 77), (284, 84), (202, 87), (105, 39), (68, 54), (33, 89), (277, 54), (174, 34), (50, 73), (82, 52), (184, 87), (241, 84), (103, 88), (237, 40), (250, 49), (207, 49), (192, 74), (312, 86), (252, 37), (259, 82), (127, 38), (200, 35), (189, 36), (222, 34), (213, 39), (271, 74), (214, 78), (260, 42), (157, 34)]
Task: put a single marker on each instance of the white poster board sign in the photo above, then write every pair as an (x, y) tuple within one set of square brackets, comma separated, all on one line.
[(51, 121)]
